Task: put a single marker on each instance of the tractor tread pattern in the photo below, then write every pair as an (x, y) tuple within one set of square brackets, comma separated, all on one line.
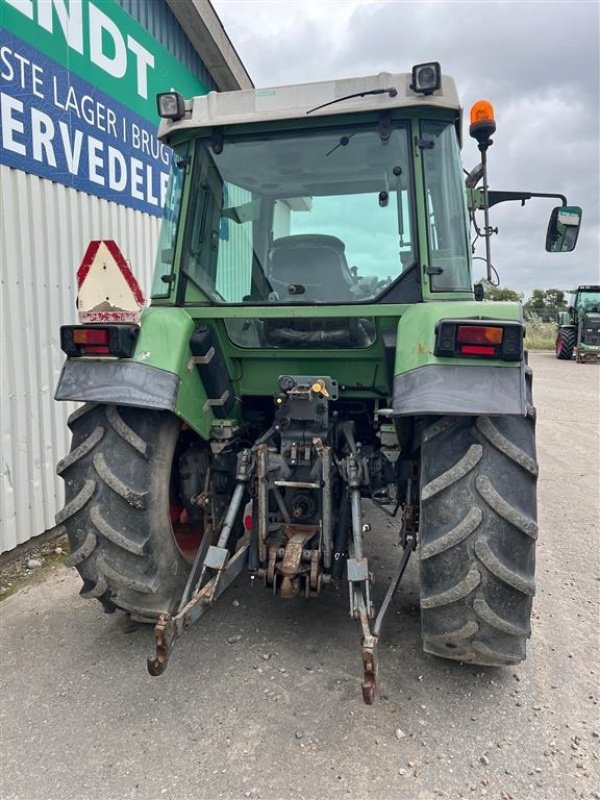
[(468, 462), (477, 569), (492, 656), (454, 536), (80, 412), (117, 488), (487, 614), (502, 571), (109, 532), (456, 592), (567, 339), (456, 651), (139, 611), (438, 427), (487, 428), (81, 450), (504, 509), (76, 503), (467, 630), (144, 586), (83, 551), (94, 590), (125, 432), (135, 499)]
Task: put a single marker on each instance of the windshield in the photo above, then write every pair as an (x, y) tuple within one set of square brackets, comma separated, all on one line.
[(588, 301), (317, 217)]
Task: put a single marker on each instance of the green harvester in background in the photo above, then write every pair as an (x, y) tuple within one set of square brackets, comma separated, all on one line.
[(314, 340), (579, 326)]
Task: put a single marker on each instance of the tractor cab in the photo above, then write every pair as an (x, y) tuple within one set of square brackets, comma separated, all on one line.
[(586, 300), (313, 198)]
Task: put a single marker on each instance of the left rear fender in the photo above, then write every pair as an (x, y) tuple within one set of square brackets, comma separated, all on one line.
[(159, 375)]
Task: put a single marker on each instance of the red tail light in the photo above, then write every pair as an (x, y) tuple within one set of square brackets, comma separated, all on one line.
[(477, 350), (116, 340), (91, 336), (477, 338), (479, 334)]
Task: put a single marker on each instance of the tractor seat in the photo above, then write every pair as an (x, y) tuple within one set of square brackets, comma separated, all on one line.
[(310, 267), (314, 264)]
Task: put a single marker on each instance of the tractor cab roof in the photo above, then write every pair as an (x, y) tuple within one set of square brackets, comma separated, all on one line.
[(298, 101)]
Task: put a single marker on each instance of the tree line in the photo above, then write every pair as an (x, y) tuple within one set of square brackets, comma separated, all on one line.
[(544, 303)]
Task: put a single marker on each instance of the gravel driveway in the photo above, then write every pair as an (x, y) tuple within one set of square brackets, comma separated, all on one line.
[(262, 698)]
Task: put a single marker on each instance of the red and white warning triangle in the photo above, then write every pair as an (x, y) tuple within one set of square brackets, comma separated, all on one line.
[(107, 289)]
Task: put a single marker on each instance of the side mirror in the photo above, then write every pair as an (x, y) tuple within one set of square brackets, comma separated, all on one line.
[(563, 229)]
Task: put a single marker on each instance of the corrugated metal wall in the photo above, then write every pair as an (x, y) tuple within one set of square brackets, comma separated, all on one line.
[(45, 230), (157, 18)]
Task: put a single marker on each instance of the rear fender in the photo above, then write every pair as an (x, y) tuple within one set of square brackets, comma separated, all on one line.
[(427, 384), (161, 374)]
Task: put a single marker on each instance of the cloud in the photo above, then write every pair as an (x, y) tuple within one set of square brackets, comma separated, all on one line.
[(536, 61)]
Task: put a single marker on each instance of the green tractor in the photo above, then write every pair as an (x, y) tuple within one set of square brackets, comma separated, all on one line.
[(314, 339), (579, 326)]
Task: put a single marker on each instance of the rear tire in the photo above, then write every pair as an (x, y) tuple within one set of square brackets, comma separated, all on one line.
[(565, 343), (477, 537), (117, 508)]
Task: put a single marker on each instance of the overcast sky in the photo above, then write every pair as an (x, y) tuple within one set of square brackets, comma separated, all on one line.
[(537, 62)]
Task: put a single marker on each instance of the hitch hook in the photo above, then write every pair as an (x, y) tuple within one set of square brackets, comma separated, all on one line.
[(370, 661), (164, 637)]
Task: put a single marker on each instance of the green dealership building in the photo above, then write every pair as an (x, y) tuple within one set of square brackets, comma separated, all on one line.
[(79, 161)]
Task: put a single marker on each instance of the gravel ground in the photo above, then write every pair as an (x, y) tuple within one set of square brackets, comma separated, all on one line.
[(262, 698)]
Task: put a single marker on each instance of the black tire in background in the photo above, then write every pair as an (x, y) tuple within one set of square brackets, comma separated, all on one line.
[(477, 537), (565, 343), (118, 500)]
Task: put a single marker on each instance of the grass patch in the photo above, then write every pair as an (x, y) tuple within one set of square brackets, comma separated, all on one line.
[(540, 335)]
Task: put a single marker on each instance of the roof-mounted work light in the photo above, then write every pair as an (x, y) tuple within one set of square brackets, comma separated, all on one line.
[(171, 105), (426, 78)]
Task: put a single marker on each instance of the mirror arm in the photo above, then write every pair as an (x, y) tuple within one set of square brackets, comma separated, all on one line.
[(495, 197)]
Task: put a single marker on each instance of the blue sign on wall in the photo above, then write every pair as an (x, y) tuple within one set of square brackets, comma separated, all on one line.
[(58, 126)]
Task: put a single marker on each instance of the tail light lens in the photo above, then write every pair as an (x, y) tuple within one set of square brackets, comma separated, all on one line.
[(117, 340), (477, 350), (479, 334), (91, 336), (499, 339)]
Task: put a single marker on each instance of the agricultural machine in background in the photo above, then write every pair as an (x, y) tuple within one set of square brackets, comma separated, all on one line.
[(579, 326), (313, 340)]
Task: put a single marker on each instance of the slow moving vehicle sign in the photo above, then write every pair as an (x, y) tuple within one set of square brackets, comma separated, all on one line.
[(107, 288)]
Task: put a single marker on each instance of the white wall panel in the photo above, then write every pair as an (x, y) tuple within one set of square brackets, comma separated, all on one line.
[(44, 231)]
